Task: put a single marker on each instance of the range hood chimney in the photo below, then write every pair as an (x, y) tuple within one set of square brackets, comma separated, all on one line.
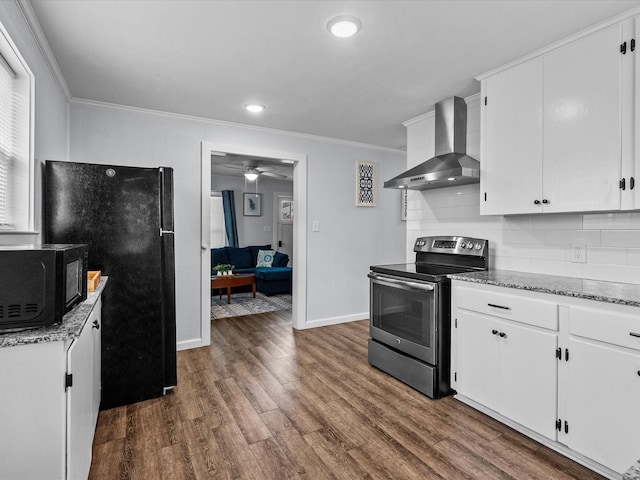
[(451, 165)]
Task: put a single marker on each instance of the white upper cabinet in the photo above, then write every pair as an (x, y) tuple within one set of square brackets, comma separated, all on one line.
[(631, 148), (511, 156), (558, 128), (581, 133)]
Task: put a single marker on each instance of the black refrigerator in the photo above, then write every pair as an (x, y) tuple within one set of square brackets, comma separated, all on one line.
[(125, 216)]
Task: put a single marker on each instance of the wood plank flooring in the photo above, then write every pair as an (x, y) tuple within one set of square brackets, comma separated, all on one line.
[(267, 402)]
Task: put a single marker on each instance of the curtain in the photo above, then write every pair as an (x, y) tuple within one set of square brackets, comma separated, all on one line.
[(229, 208)]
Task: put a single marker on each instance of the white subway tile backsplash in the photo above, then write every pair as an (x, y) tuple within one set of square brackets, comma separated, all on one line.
[(607, 255), (607, 221), (523, 237), (510, 263), (564, 221), (515, 222), (564, 269), (633, 257), (567, 237), (620, 238), (612, 273)]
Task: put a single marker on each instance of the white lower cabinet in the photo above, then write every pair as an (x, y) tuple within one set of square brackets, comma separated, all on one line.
[(603, 399), (81, 408), (510, 368), (47, 427), (575, 388)]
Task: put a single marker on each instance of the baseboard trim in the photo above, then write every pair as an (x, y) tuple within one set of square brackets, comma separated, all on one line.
[(324, 322), (189, 344)]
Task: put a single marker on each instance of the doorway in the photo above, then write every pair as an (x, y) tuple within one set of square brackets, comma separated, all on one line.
[(299, 251)]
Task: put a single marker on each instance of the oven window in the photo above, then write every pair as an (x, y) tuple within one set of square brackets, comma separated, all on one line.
[(406, 314)]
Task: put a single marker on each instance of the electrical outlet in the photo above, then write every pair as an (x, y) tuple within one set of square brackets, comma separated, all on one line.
[(578, 253)]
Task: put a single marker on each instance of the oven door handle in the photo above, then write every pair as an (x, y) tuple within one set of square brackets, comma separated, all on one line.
[(392, 282)]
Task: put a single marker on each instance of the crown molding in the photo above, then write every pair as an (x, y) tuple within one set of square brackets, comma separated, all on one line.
[(36, 29), (180, 116)]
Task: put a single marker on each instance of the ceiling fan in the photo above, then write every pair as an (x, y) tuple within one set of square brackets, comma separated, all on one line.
[(253, 170)]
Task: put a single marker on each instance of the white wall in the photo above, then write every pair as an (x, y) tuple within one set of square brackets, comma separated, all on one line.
[(338, 256), (529, 243), (250, 228), (51, 110)]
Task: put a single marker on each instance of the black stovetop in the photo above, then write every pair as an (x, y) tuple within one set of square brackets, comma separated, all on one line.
[(427, 272)]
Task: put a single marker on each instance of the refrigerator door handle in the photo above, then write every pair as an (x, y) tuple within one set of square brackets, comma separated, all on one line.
[(166, 232)]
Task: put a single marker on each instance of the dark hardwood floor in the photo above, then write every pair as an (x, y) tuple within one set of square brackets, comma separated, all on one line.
[(267, 402)]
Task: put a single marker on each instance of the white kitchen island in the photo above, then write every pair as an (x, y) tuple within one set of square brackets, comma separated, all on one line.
[(555, 358)]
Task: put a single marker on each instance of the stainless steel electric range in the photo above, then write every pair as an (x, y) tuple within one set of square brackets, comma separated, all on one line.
[(410, 316)]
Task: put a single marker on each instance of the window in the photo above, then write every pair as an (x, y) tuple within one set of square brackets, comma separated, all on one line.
[(16, 139), (217, 231)]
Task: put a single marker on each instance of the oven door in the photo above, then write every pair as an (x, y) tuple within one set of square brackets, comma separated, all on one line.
[(403, 315)]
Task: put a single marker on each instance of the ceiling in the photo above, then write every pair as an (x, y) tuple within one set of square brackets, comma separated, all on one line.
[(208, 58)]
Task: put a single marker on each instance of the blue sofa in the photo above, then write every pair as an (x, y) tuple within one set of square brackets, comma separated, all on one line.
[(269, 280)]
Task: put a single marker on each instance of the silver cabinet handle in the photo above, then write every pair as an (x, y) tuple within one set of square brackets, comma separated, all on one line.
[(166, 232), (633, 334)]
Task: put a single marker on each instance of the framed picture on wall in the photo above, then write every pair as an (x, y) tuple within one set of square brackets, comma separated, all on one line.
[(365, 184), (252, 204), (286, 211)]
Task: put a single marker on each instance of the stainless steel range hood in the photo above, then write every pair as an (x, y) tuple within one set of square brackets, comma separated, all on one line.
[(451, 166)]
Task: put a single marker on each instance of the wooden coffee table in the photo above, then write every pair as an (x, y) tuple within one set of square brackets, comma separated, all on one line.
[(229, 281)]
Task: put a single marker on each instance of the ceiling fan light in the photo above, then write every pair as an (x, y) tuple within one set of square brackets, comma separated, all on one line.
[(344, 26), (251, 176)]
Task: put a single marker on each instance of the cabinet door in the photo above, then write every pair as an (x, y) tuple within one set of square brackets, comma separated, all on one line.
[(631, 161), (529, 375), (80, 426), (511, 159), (582, 126), (603, 395), (478, 368), (96, 327)]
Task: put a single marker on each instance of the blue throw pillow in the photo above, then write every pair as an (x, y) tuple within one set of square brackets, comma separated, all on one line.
[(280, 259), (218, 256), (265, 258), (241, 257)]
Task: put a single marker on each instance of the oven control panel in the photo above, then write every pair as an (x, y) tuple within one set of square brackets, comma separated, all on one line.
[(452, 245)]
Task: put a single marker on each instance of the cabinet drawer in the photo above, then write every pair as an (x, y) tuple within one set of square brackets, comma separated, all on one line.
[(607, 325), (512, 307)]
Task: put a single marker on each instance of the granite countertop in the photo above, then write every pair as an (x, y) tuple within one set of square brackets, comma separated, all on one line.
[(612, 292), (69, 329), (633, 473)]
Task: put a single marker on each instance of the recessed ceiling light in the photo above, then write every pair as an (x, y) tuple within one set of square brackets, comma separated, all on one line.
[(344, 26), (254, 107)]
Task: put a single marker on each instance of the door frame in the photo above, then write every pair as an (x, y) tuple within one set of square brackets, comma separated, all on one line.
[(299, 293)]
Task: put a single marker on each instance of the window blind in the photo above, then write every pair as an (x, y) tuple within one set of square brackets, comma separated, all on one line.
[(8, 134)]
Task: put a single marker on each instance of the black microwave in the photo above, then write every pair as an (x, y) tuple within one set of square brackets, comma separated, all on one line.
[(39, 284)]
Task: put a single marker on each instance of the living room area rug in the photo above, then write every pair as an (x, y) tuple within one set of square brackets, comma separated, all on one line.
[(245, 304)]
